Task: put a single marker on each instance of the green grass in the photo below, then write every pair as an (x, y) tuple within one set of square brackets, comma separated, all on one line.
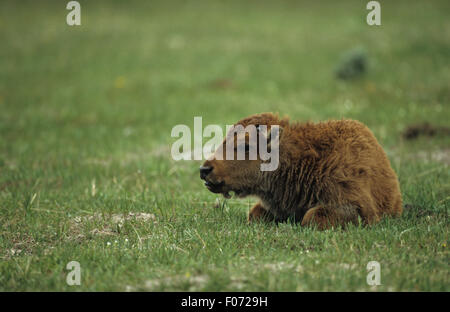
[(95, 104)]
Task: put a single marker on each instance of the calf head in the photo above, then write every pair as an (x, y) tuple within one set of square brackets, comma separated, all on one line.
[(245, 156)]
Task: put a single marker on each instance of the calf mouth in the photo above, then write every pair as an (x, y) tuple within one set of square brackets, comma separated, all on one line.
[(221, 188), (218, 188), (240, 193), (214, 187)]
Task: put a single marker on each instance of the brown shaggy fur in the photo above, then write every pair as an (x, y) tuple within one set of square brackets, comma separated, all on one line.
[(329, 174)]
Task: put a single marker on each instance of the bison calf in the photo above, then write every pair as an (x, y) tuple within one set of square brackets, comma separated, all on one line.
[(329, 174)]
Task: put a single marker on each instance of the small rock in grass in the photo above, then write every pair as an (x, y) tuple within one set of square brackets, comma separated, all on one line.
[(352, 65)]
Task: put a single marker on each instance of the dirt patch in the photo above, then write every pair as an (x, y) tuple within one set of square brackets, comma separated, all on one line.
[(22, 244), (440, 156), (220, 84), (281, 266), (194, 283), (107, 224), (425, 129)]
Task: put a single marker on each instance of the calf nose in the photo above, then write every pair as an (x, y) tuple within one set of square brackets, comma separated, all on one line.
[(204, 171)]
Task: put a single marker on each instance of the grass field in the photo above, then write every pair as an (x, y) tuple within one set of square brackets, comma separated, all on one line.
[(86, 114)]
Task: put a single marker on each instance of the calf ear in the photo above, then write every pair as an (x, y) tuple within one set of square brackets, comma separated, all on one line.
[(275, 133)]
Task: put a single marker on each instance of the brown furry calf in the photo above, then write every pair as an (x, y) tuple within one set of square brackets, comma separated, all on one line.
[(329, 174)]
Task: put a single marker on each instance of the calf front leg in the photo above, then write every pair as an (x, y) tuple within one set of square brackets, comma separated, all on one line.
[(258, 213)]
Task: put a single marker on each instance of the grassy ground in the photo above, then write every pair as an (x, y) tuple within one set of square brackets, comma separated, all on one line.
[(86, 115)]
